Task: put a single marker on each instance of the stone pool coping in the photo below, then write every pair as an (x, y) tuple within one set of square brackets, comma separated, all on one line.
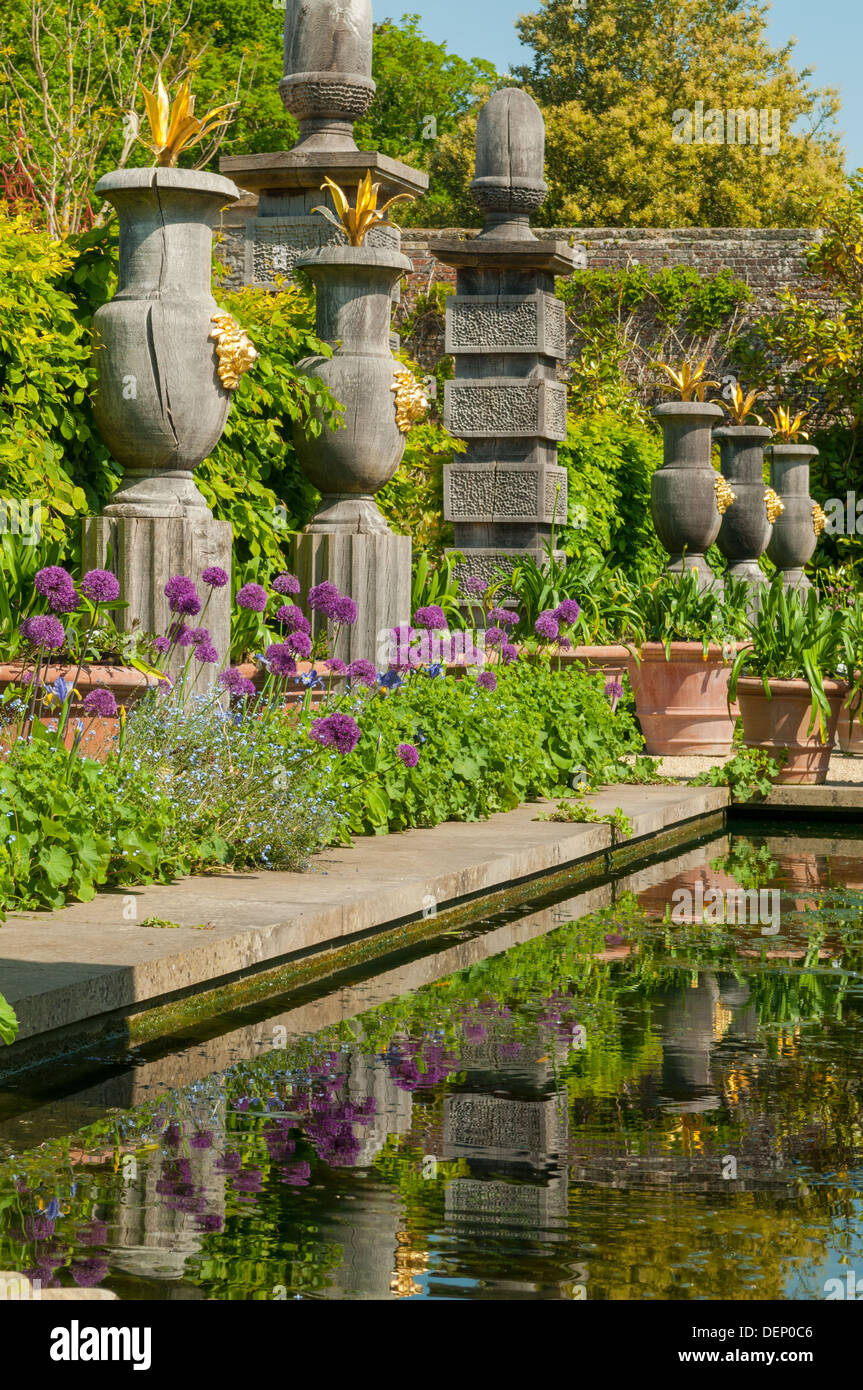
[(89, 970)]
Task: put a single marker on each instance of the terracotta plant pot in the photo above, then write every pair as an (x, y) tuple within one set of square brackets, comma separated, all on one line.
[(783, 722), (125, 684), (682, 703), (849, 734)]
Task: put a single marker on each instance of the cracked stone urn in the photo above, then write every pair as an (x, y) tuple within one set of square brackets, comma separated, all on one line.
[(795, 536), (745, 530), (683, 491), (166, 372), (160, 405), (348, 541), (328, 69)]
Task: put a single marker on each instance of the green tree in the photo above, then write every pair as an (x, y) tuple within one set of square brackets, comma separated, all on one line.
[(614, 79)]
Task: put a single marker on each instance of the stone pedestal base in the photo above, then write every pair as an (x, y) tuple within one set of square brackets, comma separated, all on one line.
[(375, 570), (144, 553)]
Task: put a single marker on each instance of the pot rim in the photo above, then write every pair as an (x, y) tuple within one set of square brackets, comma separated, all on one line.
[(159, 176), (753, 685), (743, 432), (655, 651), (693, 409), (91, 673)]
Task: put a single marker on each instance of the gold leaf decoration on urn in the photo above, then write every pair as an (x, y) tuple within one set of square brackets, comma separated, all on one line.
[(234, 349), (819, 518), (411, 400), (775, 505), (724, 495)]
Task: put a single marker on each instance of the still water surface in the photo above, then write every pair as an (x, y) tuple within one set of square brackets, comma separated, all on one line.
[(578, 1100)]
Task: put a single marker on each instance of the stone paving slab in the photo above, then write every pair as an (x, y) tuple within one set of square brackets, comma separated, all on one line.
[(59, 969)]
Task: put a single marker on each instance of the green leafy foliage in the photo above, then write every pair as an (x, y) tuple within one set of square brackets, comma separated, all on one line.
[(481, 751), (749, 775), (8, 1022), (674, 608)]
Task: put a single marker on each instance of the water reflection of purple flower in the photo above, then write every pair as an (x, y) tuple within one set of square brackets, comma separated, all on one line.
[(173, 1136), (202, 1139), (94, 1234), (405, 1057), (88, 1273), (475, 1032), (229, 1163), (38, 1227), (297, 1174), (248, 1180), (510, 1050), (242, 1105), (210, 1221)]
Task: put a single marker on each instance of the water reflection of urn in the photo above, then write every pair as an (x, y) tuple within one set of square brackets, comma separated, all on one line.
[(161, 406)]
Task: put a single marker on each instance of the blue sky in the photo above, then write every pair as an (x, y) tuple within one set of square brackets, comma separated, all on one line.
[(829, 35)]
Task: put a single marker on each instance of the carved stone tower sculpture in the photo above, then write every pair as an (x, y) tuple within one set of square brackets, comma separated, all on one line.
[(507, 332)]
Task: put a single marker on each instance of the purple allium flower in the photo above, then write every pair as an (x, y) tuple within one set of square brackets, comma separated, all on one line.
[(281, 659), (546, 626), (564, 644), (474, 584), (336, 666), (494, 636), (504, 617), (487, 681), (614, 690), (182, 595), (364, 672), (433, 618), (101, 586), (206, 653), (286, 584), (210, 1222), (88, 1273), (235, 682), (201, 1139), (253, 597), (161, 645), (53, 580), (200, 636), (44, 631), (508, 653), (38, 1227), (182, 635), (64, 601), (345, 611), (300, 644), (322, 597), (408, 754), (229, 1162), (337, 731), (100, 702), (215, 577), (568, 612), (293, 618)]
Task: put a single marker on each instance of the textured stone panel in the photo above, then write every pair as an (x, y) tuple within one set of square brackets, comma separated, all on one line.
[(498, 1127), (500, 492), (504, 407), (275, 244), (505, 324)]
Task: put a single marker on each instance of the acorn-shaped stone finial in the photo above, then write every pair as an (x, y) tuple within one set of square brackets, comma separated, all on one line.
[(510, 160), (328, 69)]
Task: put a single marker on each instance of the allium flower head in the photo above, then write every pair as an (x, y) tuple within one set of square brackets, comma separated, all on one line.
[(568, 612), (64, 601), (100, 702), (564, 644), (300, 644), (182, 596), (236, 683), (215, 577), (473, 585), (614, 692), (161, 645), (182, 634), (487, 681), (44, 631), (286, 584), (200, 636), (253, 597), (293, 618), (364, 672), (337, 731), (547, 626), (101, 586), (494, 636), (508, 653), (344, 611), (53, 579), (433, 618), (281, 659), (322, 597), (408, 754), (206, 653), (337, 667), (504, 617)]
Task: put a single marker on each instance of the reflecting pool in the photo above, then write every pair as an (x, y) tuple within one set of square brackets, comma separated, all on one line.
[(652, 1089)]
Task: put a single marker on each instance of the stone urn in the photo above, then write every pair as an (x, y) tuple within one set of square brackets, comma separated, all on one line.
[(794, 538), (328, 69), (349, 464), (745, 531), (160, 404), (683, 491)]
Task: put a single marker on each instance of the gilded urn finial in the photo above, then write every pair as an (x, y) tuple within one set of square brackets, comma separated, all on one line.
[(174, 126)]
